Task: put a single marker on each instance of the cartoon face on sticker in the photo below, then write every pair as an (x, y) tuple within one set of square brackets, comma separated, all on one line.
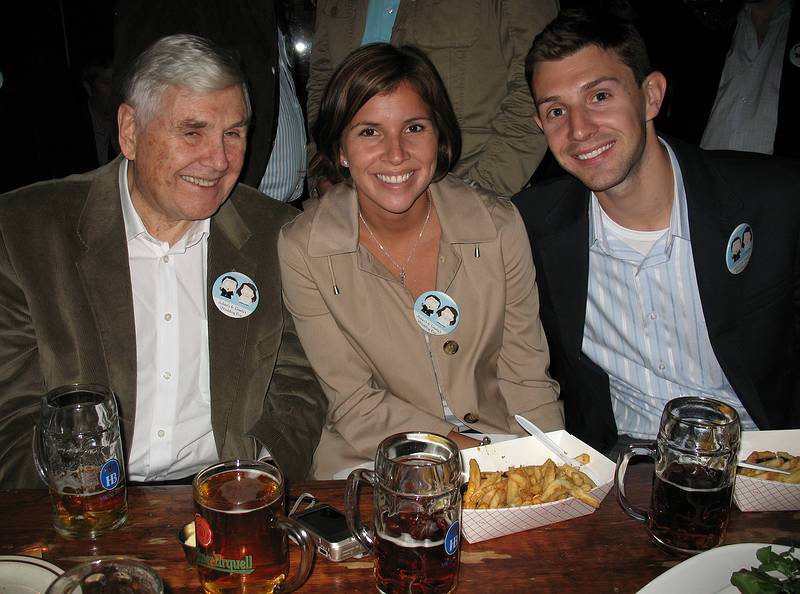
[(436, 312), (235, 294), (739, 248)]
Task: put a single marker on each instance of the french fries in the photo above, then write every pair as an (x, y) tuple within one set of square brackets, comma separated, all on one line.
[(780, 460), (527, 485)]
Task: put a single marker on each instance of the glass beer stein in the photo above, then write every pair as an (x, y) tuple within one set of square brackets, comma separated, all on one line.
[(416, 513), (241, 530), (695, 467), (77, 450)]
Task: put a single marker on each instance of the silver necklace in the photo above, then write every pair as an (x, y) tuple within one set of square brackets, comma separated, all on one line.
[(402, 268)]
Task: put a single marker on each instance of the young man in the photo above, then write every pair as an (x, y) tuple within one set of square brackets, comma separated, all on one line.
[(641, 299), (137, 251)]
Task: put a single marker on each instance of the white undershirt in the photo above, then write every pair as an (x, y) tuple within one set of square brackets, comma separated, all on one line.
[(641, 241), (172, 435)]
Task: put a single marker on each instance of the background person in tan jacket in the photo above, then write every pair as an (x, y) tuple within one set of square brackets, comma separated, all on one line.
[(479, 49), (358, 265)]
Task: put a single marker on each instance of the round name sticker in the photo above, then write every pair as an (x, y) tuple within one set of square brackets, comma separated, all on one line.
[(109, 474), (436, 313), (739, 248), (235, 294), (794, 55), (451, 538)]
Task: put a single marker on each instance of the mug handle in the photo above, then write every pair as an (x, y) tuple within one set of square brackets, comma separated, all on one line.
[(301, 536), (38, 454), (641, 449), (352, 513)]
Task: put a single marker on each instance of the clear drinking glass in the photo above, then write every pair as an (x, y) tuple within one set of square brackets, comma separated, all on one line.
[(416, 513), (110, 575), (695, 467), (77, 449), (241, 530)]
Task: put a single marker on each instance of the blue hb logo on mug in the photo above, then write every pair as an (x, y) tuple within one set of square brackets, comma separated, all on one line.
[(109, 474), (451, 538)]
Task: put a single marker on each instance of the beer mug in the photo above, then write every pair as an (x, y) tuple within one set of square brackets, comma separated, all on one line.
[(695, 459), (77, 450), (416, 513), (110, 575), (241, 530)]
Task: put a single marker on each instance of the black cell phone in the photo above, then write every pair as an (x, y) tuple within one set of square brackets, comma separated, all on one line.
[(328, 527)]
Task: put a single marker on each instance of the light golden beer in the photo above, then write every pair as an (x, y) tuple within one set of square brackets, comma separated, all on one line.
[(86, 515), (240, 547), (78, 452)]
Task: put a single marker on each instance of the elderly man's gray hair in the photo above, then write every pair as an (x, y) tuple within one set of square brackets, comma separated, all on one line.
[(185, 61)]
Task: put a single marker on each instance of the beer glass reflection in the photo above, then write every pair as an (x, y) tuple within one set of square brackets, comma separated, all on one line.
[(78, 453), (416, 513), (695, 467), (241, 530)]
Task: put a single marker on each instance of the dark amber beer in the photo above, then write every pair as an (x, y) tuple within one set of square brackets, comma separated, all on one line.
[(416, 513), (240, 530), (239, 547), (411, 555), (694, 471), (689, 508)]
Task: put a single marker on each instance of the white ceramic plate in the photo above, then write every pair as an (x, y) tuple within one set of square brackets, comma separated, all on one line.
[(709, 572), (20, 574)]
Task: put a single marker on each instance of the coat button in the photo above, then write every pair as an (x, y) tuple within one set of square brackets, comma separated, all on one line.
[(471, 418), (450, 347)]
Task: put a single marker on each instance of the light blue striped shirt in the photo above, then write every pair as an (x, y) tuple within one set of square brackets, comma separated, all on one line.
[(645, 325), (381, 15), (286, 170)]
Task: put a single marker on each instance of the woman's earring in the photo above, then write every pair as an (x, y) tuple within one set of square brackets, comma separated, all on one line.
[(345, 163)]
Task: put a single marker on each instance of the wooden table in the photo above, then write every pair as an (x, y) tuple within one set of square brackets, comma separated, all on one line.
[(603, 552)]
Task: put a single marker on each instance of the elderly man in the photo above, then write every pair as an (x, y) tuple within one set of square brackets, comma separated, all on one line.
[(114, 277), (642, 299)]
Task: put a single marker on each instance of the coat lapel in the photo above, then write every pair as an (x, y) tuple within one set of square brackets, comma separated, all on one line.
[(565, 262), (102, 265), (714, 211), (227, 337)]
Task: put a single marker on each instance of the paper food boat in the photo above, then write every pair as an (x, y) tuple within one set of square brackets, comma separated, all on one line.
[(752, 494), (483, 524)]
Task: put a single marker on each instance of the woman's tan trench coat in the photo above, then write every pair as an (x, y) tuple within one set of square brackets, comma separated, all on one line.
[(381, 372)]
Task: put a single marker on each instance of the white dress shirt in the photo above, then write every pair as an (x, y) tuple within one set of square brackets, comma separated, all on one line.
[(172, 435), (745, 112), (645, 325)]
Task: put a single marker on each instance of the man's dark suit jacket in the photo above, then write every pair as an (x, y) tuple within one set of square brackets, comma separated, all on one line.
[(66, 316), (753, 318)]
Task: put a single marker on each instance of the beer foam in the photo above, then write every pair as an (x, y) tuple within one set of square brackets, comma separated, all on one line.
[(407, 541)]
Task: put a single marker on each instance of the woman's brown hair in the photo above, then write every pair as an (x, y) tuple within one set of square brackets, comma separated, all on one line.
[(372, 70)]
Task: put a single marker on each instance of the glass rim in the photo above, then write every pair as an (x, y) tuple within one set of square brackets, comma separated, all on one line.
[(239, 464), (418, 436), (87, 568), (98, 389), (675, 403)]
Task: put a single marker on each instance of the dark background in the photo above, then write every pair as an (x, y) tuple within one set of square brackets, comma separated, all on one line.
[(44, 45)]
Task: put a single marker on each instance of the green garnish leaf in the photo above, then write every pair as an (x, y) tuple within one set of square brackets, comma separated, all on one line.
[(757, 580)]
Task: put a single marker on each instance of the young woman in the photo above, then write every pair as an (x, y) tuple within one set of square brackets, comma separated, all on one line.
[(359, 263)]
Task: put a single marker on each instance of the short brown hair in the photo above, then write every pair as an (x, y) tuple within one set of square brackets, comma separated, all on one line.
[(573, 30), (372, 70)]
